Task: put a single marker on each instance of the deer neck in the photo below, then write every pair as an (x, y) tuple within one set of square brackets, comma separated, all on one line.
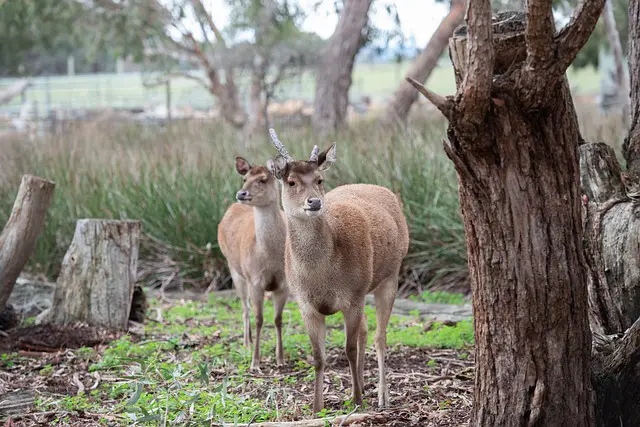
[(269, 227), (310, 240)]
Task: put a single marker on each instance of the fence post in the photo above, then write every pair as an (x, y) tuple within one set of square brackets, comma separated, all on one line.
[(168, 91)]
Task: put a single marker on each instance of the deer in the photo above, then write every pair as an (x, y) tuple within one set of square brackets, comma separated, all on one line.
[(341, 245), (251, 238)]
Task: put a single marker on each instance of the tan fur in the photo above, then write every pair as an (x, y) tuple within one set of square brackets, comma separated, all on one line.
[(251, 237), (353, 246)]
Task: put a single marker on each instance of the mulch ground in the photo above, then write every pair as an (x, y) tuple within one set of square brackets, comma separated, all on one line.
[(434, 395)]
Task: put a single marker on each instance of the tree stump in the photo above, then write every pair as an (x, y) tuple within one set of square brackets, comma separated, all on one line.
[(18, 239), (97, 279), (612, 241)]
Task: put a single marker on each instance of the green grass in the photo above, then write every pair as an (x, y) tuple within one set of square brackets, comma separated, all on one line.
[(192, 369)]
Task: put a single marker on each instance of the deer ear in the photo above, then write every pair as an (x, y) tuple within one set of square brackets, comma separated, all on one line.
[(242, 166), (327, 158), (277, 166)]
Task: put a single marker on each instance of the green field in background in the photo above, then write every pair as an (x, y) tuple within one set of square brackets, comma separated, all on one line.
[(127, 91)]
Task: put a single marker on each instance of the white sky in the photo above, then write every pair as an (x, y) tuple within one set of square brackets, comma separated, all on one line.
[(419, 18)]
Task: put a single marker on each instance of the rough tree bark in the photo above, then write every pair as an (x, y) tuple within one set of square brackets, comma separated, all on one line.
[(97, 279), (513, 138), (333, 75), (620, 74), (18, 239), (397, 109)]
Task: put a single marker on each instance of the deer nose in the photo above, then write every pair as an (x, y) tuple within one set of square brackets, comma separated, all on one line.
[(242, 195), (314, 203)]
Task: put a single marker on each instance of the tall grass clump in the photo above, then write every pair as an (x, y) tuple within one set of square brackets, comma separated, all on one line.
[(179, 182)]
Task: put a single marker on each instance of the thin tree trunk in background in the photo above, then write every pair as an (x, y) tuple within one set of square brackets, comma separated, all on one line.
[(404, 97), (621, 76), (333, 74), (256, 104), (231, 108), (18, 239)]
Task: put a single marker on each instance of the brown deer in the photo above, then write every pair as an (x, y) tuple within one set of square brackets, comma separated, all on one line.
[(251, 237), (340, 246)]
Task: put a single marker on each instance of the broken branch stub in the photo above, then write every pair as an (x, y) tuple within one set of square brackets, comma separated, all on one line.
[(18, 239), (98, 274), (445, 105)]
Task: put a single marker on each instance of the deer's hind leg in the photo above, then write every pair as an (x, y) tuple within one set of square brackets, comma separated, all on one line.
[(385, 295), (240, 283), (362, 348)]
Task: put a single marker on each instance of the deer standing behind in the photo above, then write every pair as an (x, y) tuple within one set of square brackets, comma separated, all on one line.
[(340, 246), (251, 237)]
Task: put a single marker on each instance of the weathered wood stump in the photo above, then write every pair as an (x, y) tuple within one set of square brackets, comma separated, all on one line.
[(97, 279), (18, 239), (612, 241)]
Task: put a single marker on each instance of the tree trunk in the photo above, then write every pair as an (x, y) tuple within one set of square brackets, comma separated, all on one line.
[(256, 105), (226, 93), (515, 149), (521, 208), (18, 239), (621, 76), (97, 279), (403, 98), (333, 75), (518, 174)]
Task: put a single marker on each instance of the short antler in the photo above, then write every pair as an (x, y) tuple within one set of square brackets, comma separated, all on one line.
[(279, 146), (314, 154)]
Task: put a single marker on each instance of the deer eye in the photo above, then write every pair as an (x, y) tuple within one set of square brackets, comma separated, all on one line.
[(320, 181), (291, 183), (263, 181)]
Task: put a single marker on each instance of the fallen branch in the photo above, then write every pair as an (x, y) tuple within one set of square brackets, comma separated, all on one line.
[(16, 89), (18, 239), (343, 420)]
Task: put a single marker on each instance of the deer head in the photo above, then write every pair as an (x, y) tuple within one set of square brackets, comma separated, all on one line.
[(302, 180), (259, 188)]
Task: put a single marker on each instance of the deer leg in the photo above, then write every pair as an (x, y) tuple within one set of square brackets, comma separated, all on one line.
[(352, 320), (279, 301), (316, 328), (385, 295), (362, 347), (240, 284), (257, 300)]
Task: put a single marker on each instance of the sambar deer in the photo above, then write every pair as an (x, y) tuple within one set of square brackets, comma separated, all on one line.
[(251, 237), (340, 246)]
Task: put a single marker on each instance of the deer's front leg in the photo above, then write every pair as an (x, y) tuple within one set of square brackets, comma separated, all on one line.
[(316, 328)]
